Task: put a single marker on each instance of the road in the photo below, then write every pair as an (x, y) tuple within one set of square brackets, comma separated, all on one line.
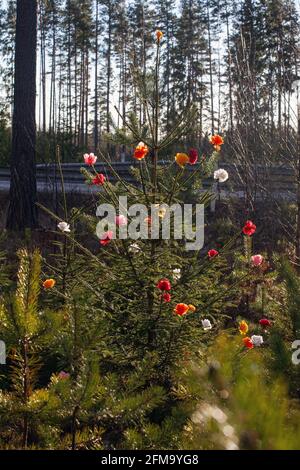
[(280, 180)]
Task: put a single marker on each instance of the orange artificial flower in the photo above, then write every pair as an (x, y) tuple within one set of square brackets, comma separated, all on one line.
[(49, 283), (217, 141), (243, 327), (159, 35), (182, 159), (141, 151), (181, 309), (192, 308), (248, 343)]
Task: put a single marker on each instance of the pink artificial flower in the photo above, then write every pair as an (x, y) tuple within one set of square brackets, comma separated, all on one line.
[(90, 159), (193, 156), (121, 220), (106, 238), (63, 375), (257, 260)]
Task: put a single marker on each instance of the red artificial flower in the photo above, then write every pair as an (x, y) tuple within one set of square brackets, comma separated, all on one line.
[(265, 322), (248, 343), (99, 179), (166, 297), (164, 285), (141, 151), (193, 156), (181, 309), (212, 253), (249, 228), (106, 238), (148, 221)]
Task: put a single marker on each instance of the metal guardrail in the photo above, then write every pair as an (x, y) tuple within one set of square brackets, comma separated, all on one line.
[(280, 179)]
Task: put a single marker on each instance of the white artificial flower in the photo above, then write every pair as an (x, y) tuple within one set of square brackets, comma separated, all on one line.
[(177, 274), (64, 227), (134, 248), (221, 175), (257, 340), (206, 325)]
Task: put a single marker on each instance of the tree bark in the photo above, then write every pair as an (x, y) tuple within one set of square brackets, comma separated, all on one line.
[(22, 211)]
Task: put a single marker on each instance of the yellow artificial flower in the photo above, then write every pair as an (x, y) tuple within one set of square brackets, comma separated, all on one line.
[(243, 327), (192, 308), (161, 211), (182, 159)]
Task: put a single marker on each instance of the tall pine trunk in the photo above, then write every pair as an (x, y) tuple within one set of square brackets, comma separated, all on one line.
[(210, 61), (96, 119), (22, 212)]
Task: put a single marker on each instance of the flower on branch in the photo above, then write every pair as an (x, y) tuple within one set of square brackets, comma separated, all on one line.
[(161, 211), (212, 254), (64, 227), (265, 322), (249, 228), (217, 141), (141, 151), (121, 220), (181, 310), (177, 274), (182, 159), (257, 260), (99, 179), (159, 35), (192, 308), (134, 248), (90, 159), (63, 375), (193, 156), (49, 283), (164, 285), (166, 297), (206, 324), (243, 327), (148, 221), (248, 343), (221, 175), (257, 340), (106, 238)]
